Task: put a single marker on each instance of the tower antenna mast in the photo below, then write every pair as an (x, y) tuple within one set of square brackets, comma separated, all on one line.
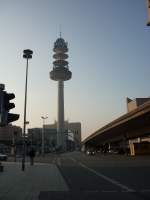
[(60, 32)]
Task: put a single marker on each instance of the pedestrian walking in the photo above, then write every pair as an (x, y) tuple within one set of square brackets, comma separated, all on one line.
[(32, 155)]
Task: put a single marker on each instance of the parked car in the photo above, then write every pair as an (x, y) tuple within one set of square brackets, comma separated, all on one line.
[(90, 152), (112, 151), (3, 157)]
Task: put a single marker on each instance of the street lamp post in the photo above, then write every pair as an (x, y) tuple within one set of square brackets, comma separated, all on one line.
[(27, 54), (44, 118)]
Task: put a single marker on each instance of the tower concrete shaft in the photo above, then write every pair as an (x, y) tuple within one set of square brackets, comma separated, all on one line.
[(60, 73), (60, 122)]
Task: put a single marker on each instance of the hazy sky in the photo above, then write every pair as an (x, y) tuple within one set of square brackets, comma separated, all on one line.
[(109, 56)]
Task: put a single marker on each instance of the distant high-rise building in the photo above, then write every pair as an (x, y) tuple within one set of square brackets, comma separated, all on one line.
[(60, 73)]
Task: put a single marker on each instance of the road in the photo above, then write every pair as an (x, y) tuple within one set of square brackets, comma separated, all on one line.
[(102, 176), (92, 177)]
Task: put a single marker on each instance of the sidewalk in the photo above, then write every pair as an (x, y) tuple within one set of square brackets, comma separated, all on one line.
[(18, 185)]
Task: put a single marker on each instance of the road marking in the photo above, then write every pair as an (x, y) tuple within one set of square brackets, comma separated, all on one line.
[(28, 164), (126, 191), (114, 182), (91, 191), (73, 159), (109, 191)]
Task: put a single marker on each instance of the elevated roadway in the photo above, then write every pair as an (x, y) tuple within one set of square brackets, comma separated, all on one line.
[(129, 126)]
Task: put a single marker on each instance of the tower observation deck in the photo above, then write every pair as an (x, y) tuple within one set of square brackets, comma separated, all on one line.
[(60, 73)]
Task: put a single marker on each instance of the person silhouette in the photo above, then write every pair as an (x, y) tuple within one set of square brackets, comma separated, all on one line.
[(32, 155)]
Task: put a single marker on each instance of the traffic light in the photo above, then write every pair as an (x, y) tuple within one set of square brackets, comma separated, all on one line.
[(2, 113), (5, 106)]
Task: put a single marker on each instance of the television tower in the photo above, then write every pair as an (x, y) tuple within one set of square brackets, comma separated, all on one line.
[(60, 73)]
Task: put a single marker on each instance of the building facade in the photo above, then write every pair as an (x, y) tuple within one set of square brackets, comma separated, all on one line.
[(72, 133), (10, 136), (9, 133), (73, 127), (35, 138), (135, 103)]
